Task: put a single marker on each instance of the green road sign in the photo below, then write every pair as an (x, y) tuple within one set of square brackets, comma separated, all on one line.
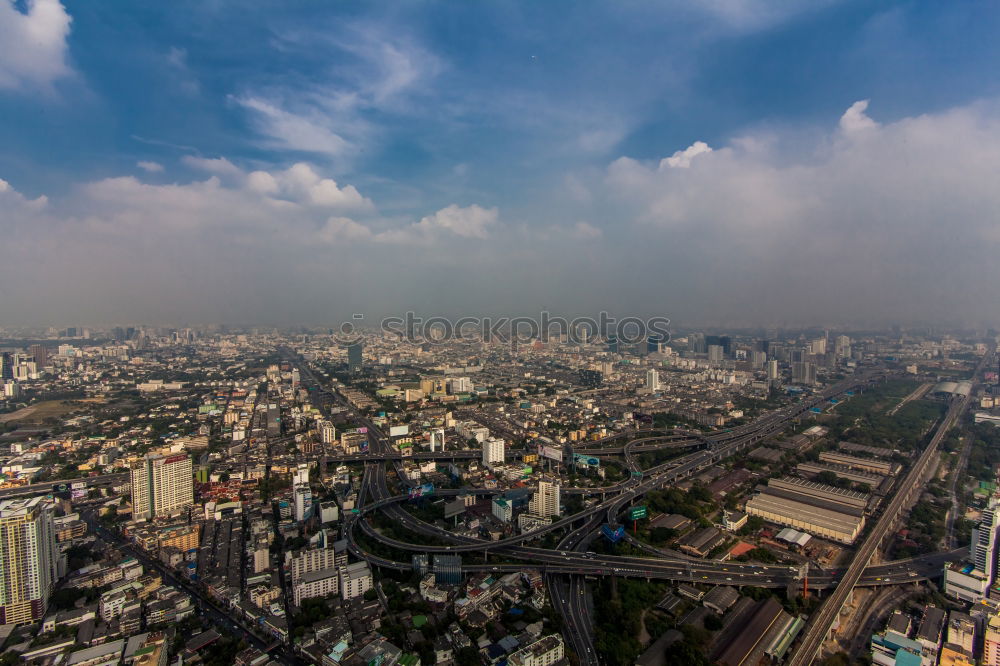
[(637, 512)]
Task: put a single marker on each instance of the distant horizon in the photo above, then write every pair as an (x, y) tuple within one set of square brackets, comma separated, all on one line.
[(722, 163)]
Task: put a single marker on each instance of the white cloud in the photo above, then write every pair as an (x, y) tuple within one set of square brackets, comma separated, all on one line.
[(150, 167), (220, 166), (682, 158), (878, 223), (306, 132), (303, 183), (13, 198), (376, 70), (465, 222), (33, 43), (344, 228), (855, 119)]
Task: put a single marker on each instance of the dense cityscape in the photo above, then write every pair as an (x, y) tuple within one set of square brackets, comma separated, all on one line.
[(499, 333), (253, 496)]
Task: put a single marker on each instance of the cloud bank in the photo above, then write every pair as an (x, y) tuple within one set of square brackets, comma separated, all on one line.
[(858, 222), (33, 44)]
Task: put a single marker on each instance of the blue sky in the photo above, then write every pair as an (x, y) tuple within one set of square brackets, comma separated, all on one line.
[(493, 156)]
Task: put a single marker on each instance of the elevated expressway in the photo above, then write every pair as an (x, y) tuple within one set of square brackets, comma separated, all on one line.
[(568, 564)]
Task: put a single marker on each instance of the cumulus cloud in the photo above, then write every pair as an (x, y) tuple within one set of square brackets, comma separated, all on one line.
[(855, 119), (220, 166), (13, 198), (33, 43), (465, 222), (682, 158), (150, 167), (344, 228), (866, 219), (894, 223)]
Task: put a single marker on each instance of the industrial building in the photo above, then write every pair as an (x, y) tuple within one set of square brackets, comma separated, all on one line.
[(824, 511), (701, 542), (763, 629), (810, 469), (876, 451), (883, 467)]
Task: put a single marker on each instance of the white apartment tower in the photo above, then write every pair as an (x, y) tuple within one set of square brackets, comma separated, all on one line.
[(652, 380), (29, 559), (162, 486), (493, 452), (545, 501), (437, 439)]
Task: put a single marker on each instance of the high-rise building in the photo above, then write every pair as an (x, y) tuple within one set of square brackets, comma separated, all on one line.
[(842, 345), (803, 373), (991, 641), (982, 549), (545, 501), (303, 502), (29, 560), (327, 432), (493, 451), (972, 583), (162, 486), (772, 370), (437, 439), (40, 354), (652, 380), (715, 353), (354, 351), (591, 378), (6, 365)]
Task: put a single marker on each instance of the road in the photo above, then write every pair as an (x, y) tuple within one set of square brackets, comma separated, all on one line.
[(821, 621), (958, 473), (375, 496)]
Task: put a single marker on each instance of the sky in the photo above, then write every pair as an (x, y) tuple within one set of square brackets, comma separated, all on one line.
[(718, 163)]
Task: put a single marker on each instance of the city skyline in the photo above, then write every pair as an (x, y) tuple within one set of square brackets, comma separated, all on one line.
[(720, 163)]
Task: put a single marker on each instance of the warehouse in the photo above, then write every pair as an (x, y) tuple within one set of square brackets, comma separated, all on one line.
[(883, 467), (765, 455), (876, 451), (810, 469), (701, 542), (824, 511), (748, 636)]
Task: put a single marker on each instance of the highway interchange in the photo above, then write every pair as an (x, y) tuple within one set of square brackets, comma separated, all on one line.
[(566, 565)]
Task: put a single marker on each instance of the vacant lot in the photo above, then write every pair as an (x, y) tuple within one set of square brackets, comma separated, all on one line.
[(38, 412)]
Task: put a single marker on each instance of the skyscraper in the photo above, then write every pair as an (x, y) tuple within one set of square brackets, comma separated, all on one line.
[(162, 486), (715, 353), (354, 357), (652, 380), (40, 354), (29, 560), (982, 549), (545, 501), (803, 373), (772, 369)]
